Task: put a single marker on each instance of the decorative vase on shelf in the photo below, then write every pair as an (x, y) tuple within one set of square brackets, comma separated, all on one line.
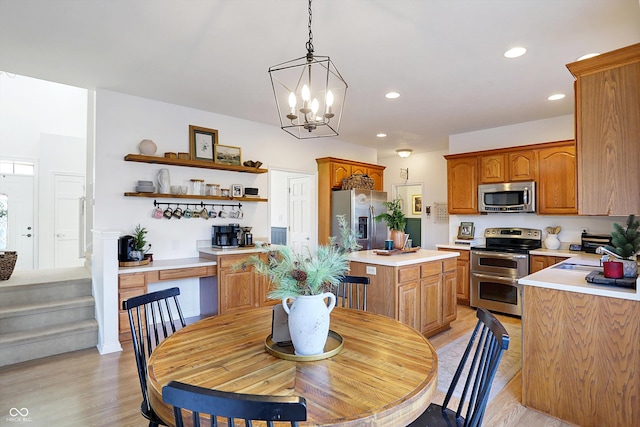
[(164, 182), (147, 147), (309, 322), (552, 241)]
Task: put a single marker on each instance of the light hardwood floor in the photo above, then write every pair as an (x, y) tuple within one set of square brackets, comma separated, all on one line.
[(85, 389)]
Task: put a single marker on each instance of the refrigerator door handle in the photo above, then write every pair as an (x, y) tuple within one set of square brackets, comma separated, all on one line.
[(374, 231)]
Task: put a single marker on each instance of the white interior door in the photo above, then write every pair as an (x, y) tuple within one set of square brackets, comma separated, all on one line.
[(20, 233), (68, 220), (300, 213)]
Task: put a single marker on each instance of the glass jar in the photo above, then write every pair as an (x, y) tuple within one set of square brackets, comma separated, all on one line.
[(197, 187), (212, 190)]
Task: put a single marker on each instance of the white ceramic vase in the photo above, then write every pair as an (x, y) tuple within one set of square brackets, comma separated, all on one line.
[(164, 182), (552, 241), (309, 322)]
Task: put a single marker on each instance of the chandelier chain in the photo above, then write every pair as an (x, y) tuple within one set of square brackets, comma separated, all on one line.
[(310, 42)]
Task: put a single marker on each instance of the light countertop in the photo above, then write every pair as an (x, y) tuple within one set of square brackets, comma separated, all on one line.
[(574, 280), (453, 246), (398, 260), (232, 251), (167, 264)]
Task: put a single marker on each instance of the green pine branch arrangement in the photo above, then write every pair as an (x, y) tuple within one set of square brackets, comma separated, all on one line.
[(298, 274), (625, 241), (140, 239)]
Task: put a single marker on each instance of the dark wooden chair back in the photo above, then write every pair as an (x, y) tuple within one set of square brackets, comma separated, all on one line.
[(488, 342), (352, 292), (152, 318), (232, 406)]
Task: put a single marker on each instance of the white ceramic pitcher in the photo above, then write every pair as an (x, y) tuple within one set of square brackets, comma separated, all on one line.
[(164, 182)]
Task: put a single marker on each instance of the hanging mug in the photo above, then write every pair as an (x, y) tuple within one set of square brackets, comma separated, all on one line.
[(157, 213), (204, 213), (213, 214), (177, 213), (222, 213), (187, 213), (168, 213)]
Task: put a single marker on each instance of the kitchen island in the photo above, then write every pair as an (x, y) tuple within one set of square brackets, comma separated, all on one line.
[(581, 352), (417, 288)]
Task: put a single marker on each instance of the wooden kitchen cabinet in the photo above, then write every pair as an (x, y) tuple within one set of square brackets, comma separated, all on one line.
[(540, 262), (462, 184), (607, 93), (522, 165), (421, 295), (331, 172), (557, 182), (492, 169), (508, 166), (463, 275), (240, 288)]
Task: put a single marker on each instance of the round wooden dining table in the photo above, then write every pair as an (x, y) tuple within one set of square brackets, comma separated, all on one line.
[(385, 374)]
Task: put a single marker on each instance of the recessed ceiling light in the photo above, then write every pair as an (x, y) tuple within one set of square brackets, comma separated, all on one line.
[(515, 52), (392, 95), (556, 96), (381, 135), (587, 56)]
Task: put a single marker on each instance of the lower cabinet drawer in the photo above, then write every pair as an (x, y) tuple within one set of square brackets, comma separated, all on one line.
[(182, 273)]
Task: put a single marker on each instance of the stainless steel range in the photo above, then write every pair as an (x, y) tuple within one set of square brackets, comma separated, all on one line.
[(497, 266)]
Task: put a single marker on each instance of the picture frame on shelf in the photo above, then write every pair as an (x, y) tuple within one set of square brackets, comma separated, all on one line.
[(466, 230), (202, 142), (416, 204), (227, 155), (236, 190)]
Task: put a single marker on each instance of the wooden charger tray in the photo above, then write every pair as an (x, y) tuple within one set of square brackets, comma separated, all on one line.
[(396, 251)]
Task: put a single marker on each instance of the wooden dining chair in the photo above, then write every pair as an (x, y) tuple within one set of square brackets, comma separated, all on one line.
[(232, 406), (152, 318), (488, 341), (352, 292)]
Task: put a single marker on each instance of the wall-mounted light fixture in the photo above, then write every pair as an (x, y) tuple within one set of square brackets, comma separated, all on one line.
[(404, 152)]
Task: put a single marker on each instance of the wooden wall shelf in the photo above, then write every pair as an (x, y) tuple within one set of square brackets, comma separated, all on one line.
[(191, 163), (195, 196)]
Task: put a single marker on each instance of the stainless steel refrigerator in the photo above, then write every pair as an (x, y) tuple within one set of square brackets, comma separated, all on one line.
[(360, 208)]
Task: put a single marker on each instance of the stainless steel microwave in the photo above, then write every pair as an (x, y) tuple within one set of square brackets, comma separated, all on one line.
[(507, 197)]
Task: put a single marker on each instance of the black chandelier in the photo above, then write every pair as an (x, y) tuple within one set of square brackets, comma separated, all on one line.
[(313, 91)]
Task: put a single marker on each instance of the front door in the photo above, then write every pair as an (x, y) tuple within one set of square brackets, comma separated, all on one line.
[(20, 230)]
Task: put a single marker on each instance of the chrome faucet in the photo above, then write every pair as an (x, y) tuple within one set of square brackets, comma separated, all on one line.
[(601, 250)]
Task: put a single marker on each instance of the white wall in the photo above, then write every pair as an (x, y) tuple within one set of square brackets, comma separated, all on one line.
[(429, 169)]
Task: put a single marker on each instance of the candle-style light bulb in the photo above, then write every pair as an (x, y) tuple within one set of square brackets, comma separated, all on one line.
[(315, 106), (292, 102), (329, 103), (306, 93)]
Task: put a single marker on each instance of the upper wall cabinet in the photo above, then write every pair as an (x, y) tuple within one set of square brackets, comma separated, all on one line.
[(608, 132), (552, 165), (462, 184)]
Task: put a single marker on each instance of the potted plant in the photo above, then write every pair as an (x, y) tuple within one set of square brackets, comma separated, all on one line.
[(395, 220), (308, 279), (140, 242), (625, 242)]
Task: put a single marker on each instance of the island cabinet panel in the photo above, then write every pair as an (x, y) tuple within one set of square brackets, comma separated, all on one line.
[(463, 275), (421, 295), (581, 357)]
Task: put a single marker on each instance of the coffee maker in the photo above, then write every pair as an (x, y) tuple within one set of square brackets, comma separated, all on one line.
[(126, 244), (225, 236), (246, 238)]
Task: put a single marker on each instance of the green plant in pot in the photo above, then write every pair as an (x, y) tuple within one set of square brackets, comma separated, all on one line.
[(140, 241), (307, 279), (625, 242), (395, 220)]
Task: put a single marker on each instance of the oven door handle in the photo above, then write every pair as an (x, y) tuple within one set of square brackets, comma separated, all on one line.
[(496, 278), (500, 255)]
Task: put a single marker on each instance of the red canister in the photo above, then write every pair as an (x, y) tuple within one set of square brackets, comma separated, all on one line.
[(613, 269)]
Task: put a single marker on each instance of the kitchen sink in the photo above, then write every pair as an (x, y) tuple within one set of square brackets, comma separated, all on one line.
[(577, 267)]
